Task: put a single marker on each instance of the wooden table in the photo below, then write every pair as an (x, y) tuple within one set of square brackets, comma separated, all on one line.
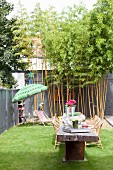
[(75, 144)]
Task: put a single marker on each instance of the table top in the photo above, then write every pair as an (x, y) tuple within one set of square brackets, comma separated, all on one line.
[(89, 136)]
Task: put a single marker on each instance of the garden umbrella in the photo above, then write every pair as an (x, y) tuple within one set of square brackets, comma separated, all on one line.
[(28, 91)]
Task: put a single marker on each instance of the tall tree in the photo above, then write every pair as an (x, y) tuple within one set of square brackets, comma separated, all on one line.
[(64, 37), (22, 36), (100, 44), (8, 61), (78, 44)]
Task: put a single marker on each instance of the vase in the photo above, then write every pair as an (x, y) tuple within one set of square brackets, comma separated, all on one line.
[(73, 110), (68, 110)]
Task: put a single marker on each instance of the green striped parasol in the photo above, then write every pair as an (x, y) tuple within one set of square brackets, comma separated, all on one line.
[(28, 91)]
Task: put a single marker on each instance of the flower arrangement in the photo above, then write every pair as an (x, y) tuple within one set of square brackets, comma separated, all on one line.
[(71, 103)]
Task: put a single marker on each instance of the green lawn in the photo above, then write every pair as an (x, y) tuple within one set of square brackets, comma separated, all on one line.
[(31, 147)]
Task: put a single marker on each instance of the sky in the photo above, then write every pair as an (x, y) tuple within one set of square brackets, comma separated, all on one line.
[(58, 4)]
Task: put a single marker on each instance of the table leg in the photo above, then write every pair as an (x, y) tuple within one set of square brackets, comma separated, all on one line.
[(74, 150)]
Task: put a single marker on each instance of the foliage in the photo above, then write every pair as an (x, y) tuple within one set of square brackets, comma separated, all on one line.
[(77, 42), (22, 37), (5, 41), (100, 44), (8, 61), (59, 37)]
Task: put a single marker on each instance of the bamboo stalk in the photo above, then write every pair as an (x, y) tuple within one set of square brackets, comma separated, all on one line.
[(69, 94), (105, 90), (48, 86), (100, 113), (98, 106), (94, 97), (62, 98), (85, 100), (50, 98), (93, 101), (67, 88), (78, 98), (103, 94), (82, 99), (89, 99), (42, 81), (59, 99), (54, 109), (86, 103), (36, 96), (73, 93), (98, 94)]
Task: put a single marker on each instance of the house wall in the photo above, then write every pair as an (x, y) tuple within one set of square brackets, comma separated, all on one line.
[(20, 78)]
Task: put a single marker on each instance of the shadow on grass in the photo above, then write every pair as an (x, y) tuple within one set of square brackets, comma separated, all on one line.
[(33, 124), (38, 160)]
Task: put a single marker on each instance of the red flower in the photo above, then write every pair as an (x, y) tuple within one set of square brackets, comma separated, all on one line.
[(71, 102)]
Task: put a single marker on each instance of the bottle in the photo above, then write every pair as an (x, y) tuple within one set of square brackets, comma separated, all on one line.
[(79, 125)]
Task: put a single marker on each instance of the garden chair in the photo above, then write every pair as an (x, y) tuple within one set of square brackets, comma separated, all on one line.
[(56, 124), (42, 116), (35, 117), (97, 129), (93, 121)]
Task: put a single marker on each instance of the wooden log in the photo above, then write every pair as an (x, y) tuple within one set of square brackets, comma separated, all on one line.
[(74, 150)]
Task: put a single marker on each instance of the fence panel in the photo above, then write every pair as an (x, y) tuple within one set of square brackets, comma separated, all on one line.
[(3, 116), (8, 110)]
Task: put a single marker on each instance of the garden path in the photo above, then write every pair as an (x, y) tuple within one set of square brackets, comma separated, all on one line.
[(108, 122)]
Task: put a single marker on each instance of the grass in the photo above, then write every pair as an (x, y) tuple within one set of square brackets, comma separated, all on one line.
[(31, 147)]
